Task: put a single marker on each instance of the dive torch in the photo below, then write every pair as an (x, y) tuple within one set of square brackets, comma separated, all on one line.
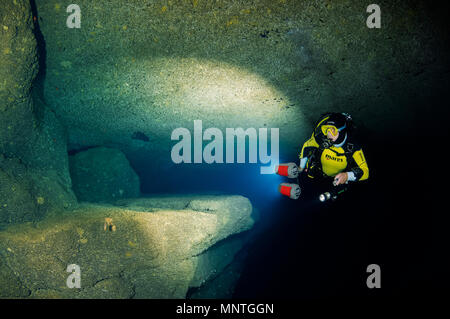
[(333, 194)]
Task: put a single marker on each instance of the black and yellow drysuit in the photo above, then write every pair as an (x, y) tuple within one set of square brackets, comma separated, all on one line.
[(323, 158)]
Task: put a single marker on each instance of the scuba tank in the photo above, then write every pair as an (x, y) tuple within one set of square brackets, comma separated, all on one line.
[(290, 190), (289, 170)]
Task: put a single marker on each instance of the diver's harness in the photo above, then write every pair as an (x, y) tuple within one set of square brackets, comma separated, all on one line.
[(314, 166)]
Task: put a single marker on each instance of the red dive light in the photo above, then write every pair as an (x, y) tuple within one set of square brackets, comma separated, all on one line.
[(290, 190), (289, 170)]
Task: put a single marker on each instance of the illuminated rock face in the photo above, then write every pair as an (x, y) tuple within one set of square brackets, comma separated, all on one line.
[(148, 248), (150, 66)]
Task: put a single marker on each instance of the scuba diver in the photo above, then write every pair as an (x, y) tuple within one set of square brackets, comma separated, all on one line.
[(329, 160)]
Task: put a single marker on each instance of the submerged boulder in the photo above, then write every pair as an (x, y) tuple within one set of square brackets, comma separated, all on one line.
[(123, 252), (102, 175)]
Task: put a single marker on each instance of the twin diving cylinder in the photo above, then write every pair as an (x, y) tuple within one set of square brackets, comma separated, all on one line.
[(289, 170)]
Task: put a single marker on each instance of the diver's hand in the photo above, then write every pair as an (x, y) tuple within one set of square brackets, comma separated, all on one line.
[(340, 178)]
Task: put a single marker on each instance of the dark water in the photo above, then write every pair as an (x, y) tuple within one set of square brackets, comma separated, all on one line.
[(309, 249), (314, 250)]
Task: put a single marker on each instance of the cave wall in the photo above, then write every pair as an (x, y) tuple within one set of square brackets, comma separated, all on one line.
[(18, 67), (142, 68), (34, 177)]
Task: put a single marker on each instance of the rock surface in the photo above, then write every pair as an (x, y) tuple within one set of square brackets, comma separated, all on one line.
[(102, 174), (151, 67), (18, 68), (146, 254), (223, 265), (34, 176)]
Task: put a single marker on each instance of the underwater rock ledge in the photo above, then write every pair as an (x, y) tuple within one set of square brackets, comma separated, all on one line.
[(145, 248)]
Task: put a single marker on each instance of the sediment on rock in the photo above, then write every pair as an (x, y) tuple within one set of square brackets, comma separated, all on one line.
[(123, 252)]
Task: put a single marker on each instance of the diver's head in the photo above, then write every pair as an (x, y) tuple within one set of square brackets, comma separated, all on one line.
[(335, 128)]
